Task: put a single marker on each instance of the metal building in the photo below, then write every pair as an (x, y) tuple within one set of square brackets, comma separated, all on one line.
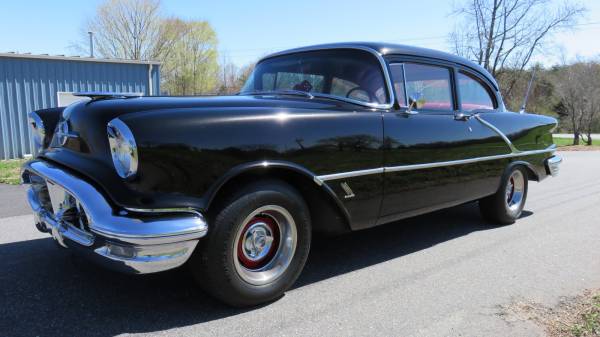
[(33, 82)]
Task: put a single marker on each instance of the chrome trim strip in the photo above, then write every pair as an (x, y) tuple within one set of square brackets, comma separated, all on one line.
[(464, 161), (500, 133), (165, 210), (352, 174), (378, 55)]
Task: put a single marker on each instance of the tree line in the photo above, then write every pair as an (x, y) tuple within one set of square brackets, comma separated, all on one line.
[(503, 36), (187, 49)]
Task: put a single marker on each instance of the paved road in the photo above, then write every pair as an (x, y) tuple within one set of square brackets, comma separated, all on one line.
[(443, 274), (12, 200)]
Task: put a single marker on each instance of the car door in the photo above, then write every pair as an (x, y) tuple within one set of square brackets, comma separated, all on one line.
[(425, 140)]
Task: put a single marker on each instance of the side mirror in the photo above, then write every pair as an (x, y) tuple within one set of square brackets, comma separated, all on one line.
[(412, 103)]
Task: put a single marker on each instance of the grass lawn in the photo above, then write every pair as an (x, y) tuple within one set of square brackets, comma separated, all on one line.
[(10, 171), (569, 142)]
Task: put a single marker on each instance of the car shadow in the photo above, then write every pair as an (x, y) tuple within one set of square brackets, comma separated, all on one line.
[(46, 291)]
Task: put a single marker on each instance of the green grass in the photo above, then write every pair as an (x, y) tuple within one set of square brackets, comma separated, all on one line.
[(589, 323), (10, 171), (569, 142)]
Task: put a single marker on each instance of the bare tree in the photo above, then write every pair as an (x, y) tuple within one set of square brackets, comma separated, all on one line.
[(136, 29), (506, 34), (228, 76), (232, 77), (578, 87), (131, 29)]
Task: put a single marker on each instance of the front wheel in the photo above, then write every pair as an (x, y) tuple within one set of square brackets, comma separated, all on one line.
[(258, 245), (506, 205)]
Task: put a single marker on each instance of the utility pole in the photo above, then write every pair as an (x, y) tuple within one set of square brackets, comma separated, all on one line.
[(91, 44)]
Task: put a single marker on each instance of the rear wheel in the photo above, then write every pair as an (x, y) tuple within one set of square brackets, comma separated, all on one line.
[(506, 205), (257, 247)]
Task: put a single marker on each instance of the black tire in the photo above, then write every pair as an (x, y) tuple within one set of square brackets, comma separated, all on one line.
[(216, 263), (500, 208)]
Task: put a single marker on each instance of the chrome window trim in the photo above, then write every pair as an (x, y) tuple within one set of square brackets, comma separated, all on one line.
[(351, 174), (378, 56)]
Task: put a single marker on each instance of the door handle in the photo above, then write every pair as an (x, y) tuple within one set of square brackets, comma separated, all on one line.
[(461, 116)]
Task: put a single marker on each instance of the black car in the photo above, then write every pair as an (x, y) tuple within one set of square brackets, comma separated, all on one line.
[(323, 139)]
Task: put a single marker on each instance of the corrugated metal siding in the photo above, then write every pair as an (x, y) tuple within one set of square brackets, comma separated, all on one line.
[(32, 84)]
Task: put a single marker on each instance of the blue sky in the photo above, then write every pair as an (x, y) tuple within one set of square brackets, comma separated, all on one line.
[(250, 29)]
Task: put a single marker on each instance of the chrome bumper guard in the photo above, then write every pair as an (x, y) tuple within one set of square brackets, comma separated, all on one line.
[(138, 241), (553, 165)]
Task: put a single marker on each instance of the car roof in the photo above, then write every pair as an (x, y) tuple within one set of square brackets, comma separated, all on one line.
[(383, 49)]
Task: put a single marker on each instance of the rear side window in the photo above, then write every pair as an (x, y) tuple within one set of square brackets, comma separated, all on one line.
[(474, 95), (428, 87)]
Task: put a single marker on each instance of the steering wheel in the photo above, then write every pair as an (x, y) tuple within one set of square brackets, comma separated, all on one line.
[(362, 91)]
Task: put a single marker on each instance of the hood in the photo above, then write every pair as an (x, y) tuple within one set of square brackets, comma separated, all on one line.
[(88, 120), (114, 107)]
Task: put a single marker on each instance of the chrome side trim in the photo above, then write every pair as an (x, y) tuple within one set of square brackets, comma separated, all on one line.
[(352, 174), (464, 161), (500, 133), (378, 55), (188, 210)]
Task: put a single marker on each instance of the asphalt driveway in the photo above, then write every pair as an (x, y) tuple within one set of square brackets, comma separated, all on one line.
[(443, 274)]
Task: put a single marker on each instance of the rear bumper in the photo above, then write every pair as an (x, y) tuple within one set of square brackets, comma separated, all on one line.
[(133, 241), (553, 165)]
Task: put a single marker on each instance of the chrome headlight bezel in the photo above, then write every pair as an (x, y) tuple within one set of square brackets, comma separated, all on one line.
[(38, 129), (123, 148)]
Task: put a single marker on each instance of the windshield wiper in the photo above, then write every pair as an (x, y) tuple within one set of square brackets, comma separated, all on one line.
[(280, 92)]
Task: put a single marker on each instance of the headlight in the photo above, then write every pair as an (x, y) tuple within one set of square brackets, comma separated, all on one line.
[(122, 148), (37, 129)]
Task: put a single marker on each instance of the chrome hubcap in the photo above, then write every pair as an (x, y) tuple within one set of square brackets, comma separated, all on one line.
[(515, 189), (257, 242), (265, 244)]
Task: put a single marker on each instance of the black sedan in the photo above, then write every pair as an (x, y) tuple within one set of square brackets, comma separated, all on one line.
[(323, 139)]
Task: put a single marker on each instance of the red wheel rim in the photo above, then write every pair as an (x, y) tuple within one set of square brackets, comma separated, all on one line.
[(264, 223)]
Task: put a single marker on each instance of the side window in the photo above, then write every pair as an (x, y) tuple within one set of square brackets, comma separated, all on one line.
[(428, 87), (473, 93)]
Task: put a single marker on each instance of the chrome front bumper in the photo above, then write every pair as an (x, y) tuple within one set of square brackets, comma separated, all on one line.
[(135, 241), (553, 165)]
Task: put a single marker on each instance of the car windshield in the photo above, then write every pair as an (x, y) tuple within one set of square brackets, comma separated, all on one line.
[(341, 73)]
